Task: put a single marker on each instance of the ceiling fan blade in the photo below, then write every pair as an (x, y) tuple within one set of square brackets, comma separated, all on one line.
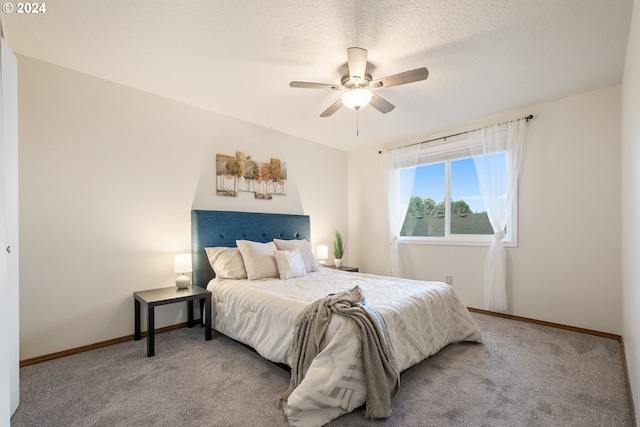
[(401, 78), (332, 109), (357, 60), (381, 104), (307, 85)]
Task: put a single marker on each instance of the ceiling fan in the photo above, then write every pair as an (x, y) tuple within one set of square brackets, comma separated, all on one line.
[(359, 85)]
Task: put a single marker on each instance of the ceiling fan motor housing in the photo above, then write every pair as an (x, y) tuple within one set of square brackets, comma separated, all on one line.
[(348, 83)]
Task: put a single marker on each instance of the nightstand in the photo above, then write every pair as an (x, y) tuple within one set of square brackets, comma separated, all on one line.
[(163, 296), (344, 268)]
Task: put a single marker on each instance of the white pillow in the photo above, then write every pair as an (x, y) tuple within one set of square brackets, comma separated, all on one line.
[(303, 246), (290, 264), (226, 262), (258, 258)]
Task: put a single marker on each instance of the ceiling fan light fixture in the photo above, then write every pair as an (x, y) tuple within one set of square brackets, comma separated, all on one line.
[(357, 98)]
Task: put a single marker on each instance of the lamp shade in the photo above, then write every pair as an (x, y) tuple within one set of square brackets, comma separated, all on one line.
[(323, 252), (357, 98), (182, 263)]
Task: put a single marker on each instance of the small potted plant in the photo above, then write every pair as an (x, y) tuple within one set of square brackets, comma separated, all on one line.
[(338, 248)]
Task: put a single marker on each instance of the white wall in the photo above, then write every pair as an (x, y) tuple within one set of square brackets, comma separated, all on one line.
[(566, 268), (631, 206), (108, 177)]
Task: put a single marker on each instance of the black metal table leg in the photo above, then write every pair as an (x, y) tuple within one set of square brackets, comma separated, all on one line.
[(189, 314), (151, 332), (136, 333), (201, 303), (207, 309)]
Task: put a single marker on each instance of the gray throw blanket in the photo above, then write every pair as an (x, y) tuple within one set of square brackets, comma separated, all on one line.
[(380, 365)]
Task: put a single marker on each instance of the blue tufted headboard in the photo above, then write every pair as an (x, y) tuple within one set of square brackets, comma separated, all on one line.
[(223, 228)]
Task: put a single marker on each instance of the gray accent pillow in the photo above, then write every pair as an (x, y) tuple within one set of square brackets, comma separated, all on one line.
[(304, 247), (290, 264)]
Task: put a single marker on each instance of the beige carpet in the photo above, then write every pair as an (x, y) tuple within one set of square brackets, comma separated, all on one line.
[(522, 375)]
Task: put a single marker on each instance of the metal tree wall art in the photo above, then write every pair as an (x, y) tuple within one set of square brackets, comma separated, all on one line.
[(242, 173)]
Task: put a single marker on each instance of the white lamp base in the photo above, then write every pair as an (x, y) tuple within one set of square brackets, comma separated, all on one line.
[(183, 282)]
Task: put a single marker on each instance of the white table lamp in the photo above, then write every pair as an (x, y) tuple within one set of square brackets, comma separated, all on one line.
[(322, 254), (182, 265)]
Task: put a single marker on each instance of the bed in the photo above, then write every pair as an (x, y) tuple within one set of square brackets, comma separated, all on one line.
[(422, 317)]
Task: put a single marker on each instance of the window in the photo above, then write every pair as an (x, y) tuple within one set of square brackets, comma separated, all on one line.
[(446, 205)]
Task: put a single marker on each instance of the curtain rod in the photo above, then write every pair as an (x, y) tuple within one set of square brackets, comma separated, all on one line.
[(527, 118)]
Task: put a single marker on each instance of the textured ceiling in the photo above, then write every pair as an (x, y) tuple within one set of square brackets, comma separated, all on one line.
[(237, 57)]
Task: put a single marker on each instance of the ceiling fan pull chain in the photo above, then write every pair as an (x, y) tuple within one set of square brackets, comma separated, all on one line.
[(357, 122)]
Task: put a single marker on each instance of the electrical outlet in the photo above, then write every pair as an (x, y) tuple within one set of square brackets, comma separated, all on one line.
[(450, 280)]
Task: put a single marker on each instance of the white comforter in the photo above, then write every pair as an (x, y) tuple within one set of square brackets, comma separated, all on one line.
[(422, 318)]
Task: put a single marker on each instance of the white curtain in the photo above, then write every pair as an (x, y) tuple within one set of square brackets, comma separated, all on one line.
[(399, 169), (498, 191)]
